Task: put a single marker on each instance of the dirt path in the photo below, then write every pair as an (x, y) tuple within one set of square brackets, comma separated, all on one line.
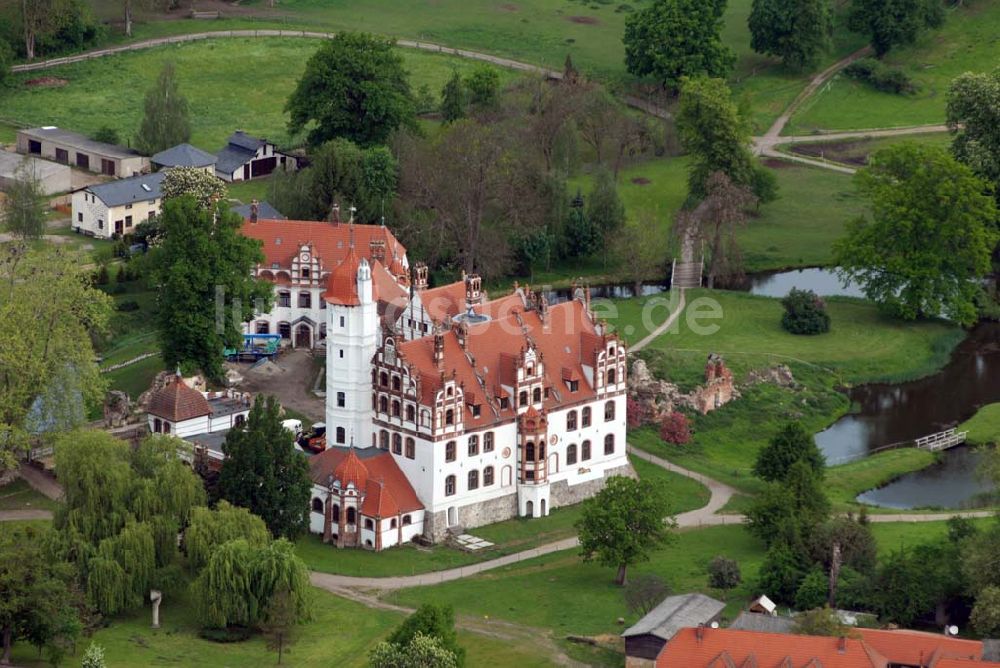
[(43, 483), (662, 328), (22, 515), (289, 378)]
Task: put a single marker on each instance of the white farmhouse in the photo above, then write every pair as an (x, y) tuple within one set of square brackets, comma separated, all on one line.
[(116, 207), (245, 157)]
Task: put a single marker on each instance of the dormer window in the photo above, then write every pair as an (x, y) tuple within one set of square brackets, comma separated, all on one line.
[(274, 265), (475, 411), (574, 385), (504, 403)]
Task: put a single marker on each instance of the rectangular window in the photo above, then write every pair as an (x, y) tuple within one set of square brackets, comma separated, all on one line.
[(100, 224), (304, 272), (410, 449), (449, 451), (79, 217), (341, 321), (128, 221), (473, 445), (83, 161), (128, 206), (62, 155), (488, 442), (284, 299), (341, 353), (341, 400)]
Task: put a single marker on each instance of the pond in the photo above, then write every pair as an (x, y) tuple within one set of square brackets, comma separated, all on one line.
[(823, 282), (950, 483)]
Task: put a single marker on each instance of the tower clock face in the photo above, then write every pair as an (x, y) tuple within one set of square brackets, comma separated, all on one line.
[(304, 257)]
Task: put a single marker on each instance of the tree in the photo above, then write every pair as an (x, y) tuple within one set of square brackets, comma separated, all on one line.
[(420, 652), (821, 621), (93, 657), (483, 84), (974, 122), (210, 528), (623, 523), (796, 31), (6, 61), (889, 23), (262, 471), (673, 39), (986, 613), (345, 174), (206, 188), (535, 250), (453, 99), (37, 602), (583, 236), (792, 444), (641, 248), (355, 87), (805, 313), (431, 621), (280, 621), (674, 429), (47, 291), (645, 592), (202, 264), (605, 208), (38, 18), (715, 222), (24, 209), (596, 121), (930, 235), (812, 591), (979, 561), (723, 573), (717, 136), (781, 573), (165, 121), (899, 593), (787, 510)]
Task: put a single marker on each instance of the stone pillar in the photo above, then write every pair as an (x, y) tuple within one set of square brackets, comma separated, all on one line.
[(155, 597)]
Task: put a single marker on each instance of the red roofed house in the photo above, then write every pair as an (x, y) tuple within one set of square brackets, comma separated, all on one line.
[(727, 648)]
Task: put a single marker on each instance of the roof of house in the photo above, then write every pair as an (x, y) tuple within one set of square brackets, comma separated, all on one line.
[(330, 242), (140, 188), (264, 210), (991, 649), (755, 621), (387, 492), (567, 338), (177, 402), (342, 283), (239, 148), (915, 647), (675, 613), (79, 141), (183, 155)]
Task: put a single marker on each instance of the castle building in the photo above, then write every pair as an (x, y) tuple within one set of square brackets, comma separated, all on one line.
[(445, 410)]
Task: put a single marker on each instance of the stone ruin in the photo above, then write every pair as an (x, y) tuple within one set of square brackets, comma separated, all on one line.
[(117, 408), (718, 389), (160, 381)]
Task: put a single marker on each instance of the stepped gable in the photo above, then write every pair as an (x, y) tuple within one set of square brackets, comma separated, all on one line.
[(331, 242), (566, 337), (177, 402), (387, 492)]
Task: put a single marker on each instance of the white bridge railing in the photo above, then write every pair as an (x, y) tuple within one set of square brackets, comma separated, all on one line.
[(942, 440)]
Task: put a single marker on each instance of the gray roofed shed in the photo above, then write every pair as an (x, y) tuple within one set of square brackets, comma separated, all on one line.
[(124, 191), (264, 211), (183, 155), (647, 637), (755, 621)]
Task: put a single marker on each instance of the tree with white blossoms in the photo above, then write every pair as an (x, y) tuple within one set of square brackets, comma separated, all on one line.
[(93, 657), (206, 188), (421, 651)]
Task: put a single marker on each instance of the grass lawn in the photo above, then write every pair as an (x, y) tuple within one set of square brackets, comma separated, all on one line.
[(967, 42), (509, 536), (855, 153), (135, 379), (843, 483), (984, 426), (212, 74), (19, 495)]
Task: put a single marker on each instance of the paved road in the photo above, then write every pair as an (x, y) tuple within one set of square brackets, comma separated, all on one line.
[(27, 514)]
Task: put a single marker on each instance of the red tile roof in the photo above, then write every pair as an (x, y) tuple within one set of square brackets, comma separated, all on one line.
[(342, 284), (914, 647), (387, 491), (177, 402), (350, 471), (331, 241), (444, 300)]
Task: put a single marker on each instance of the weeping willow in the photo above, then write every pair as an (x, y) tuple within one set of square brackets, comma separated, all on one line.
[(106, 585), (211, 528), (224, 591)]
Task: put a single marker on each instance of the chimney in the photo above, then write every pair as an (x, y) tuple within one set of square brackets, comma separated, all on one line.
[(254, 211), (699, 633), (419, 276), (376, 248), (842, 644), (353, 209), (462, 332), (335, 213), (439, 349), (473, 291)]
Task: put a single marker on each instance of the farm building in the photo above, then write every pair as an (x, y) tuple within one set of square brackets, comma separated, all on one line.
[(71, 148), (52, 177), (645, 639), (116, 207), (245, 157), (184, 155)]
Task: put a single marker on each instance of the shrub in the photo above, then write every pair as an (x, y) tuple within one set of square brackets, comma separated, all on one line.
[(880, 76), (635, 414), (128, 306), (101, 275), (234, 633), (805, 313), (723, 573), (93, 657), (812, 591), (644, 592), (106, 135), (674, 429)]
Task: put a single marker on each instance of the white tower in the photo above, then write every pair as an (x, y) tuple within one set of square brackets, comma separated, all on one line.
[(351, 339)]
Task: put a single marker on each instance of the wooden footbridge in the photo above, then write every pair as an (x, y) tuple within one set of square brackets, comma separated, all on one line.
[(942, 440)]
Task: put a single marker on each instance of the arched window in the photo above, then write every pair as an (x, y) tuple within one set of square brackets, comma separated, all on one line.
[(473, 479), (537, 395), (609, 411), (397, 444), (487, 476), (585, 451), (522, 398), (410, 448), (609, 444), (449, 486), (585, 416), (383, 405), (449, 416), (541, 451), (369, 525), (352, 516), (341, 435), (410, 413), (393, 524), (611, 376), (336, 513), (473, 445), (571, 454), (157, 426), (383, 379), (571, 421), (449, 451), (383, 439), (395, 383), (395, 408), (317, 505), (529, 451), (407, 520)]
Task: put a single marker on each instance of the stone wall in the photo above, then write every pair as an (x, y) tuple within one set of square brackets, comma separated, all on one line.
[(562, 494), (473, 515)]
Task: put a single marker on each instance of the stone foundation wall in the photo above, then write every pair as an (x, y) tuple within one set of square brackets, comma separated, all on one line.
[(472, 515), (562, 494)]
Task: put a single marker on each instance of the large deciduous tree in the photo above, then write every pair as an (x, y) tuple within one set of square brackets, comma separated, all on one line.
[(796, 31), (48, 312), (717, 136), (264, 473), (211, 528), (203, 274), (165, 121), (889, 23), (787, 510), (354, 86), (623, 523), (431, 621), (930, 234), (23, 212), (205, 187), (974, 122), (673, 39)]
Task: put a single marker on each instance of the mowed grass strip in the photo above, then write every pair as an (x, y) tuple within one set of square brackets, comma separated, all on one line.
[(231, 84), (967, 42), (984, 426)]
